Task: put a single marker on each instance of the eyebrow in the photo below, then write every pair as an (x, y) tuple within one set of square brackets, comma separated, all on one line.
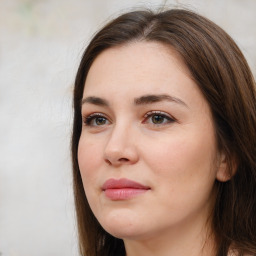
[(149, 99), (95, 101), (143, 100)]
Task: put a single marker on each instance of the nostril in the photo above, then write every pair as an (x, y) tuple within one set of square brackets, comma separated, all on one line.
[(123, 160), (118, 162), (108, 162)]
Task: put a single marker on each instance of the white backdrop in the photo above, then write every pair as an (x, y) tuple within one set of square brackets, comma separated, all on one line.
[(41, 42)]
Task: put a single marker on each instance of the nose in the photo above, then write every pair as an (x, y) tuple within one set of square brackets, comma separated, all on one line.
[(121, 148)]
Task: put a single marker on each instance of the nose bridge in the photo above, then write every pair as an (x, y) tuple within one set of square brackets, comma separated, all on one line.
[(120, 147), (118, 134)]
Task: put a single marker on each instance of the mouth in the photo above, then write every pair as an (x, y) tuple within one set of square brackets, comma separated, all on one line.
[(123, 189)]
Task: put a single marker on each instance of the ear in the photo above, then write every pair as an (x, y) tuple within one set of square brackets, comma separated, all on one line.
[(225, 169)]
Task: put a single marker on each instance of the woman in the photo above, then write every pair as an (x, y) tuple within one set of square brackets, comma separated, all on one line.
[(164, 139)]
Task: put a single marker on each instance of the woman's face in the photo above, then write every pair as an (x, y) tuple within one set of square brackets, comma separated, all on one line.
[(147, 151)]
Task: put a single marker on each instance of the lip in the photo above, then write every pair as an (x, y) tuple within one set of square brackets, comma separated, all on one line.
[(123, 189)]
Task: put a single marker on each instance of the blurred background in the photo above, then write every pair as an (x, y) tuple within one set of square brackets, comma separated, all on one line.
[(41, 42)]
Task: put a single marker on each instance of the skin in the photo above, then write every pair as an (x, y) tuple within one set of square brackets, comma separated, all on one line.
[(168, 145)]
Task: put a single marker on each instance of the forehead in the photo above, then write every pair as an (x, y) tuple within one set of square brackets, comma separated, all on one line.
[(140, 68), (137, 60)]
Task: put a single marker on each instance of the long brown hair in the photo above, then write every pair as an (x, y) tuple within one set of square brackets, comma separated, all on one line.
[(222, 74)]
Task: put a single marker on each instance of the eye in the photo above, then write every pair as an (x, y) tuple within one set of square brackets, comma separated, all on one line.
[(96, 119), (158, 118)]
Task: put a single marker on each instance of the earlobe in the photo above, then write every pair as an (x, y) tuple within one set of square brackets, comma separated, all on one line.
[(225, 169), (223, 174)]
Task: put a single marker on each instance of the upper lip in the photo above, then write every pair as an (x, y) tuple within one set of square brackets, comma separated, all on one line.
[(122, 183)]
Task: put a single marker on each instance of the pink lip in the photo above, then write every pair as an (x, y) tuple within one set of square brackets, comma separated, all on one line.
[(123, 189)]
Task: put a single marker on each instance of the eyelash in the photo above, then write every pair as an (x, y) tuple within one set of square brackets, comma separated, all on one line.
[(92, 117), (168, 119)]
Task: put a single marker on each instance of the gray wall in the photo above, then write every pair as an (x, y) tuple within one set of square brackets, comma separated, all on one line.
[(40, 46)]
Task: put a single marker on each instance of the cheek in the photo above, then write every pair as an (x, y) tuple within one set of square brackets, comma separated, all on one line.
[(184, 169), (89, 159), (183, 156)]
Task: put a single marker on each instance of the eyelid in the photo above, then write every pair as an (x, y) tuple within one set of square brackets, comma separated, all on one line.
[(88, 118), (94, 114), (85, 117), (169, 119), (159, 113)]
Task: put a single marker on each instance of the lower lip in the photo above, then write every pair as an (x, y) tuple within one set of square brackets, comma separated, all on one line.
[(123, 193)]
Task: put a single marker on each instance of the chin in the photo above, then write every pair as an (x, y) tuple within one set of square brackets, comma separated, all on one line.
[(122, 225), (131, 234)]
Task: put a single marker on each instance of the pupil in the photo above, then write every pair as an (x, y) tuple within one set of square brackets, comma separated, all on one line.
[(157, 119), (100, 120)]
